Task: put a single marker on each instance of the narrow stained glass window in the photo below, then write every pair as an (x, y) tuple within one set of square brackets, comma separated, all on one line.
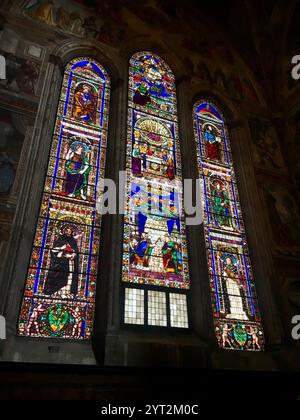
[(61, 281), (236, 314), (155, 253)]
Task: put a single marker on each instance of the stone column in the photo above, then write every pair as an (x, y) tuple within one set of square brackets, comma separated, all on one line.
[(201, 316), (258, 240), (115, 347), (14, 194)]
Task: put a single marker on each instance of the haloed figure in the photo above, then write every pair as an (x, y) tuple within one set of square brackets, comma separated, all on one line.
[(84, 104), (212, 141), (63, 271), (170, 171), (171, 253), (230, 274), (77, 168), (142, 94), (143, 251), (220, 204)]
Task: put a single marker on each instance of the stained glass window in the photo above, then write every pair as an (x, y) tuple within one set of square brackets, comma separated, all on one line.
[(61, 281), (235, 309), (154, 253)]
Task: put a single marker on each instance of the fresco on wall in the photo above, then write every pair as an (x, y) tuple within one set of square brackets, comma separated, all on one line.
[(78, 18), (296, 123), (6, 4), (283, 218), (12, 133), (267, 154), (113, 22), (22, 75), (218, 67), (229, 83), (160, 14), (57, 14), (6, 218), (293, 293), (236, 87), (296, 149)]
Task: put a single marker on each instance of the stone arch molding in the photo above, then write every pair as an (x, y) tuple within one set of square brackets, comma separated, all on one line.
[(27, 210)]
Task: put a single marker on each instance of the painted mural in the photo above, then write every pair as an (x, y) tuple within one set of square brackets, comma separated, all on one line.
[(117, 21), (266, 152), (296, 137), (284, 218), (78, 18), (12, 132), (22, 75)]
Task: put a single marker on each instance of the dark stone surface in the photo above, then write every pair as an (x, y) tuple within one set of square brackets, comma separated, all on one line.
[(46, 382)]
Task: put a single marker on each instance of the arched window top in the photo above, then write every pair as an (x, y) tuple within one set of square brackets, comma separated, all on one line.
[(149, 58), (152, 85), (85, 81), (211, 133), (88, 68), (155, 264), (208, 110)]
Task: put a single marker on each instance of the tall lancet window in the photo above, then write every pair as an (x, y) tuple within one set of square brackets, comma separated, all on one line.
[(155, 268), (61, 281), (236, 314)]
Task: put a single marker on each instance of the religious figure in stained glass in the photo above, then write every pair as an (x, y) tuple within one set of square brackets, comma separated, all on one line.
[(152, 149), (77, 169), (155, 241), (84, 103), (141, 95), (220, 203), (235, 309), (63, 269), (61, 281), (152, 84), (234, 290), (170, 168), (141, 250), (172, 258), (136, 160), (213, 141)]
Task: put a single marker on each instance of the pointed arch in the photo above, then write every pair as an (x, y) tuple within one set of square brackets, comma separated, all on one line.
[(155, 268), (235, 308), (60, 287)]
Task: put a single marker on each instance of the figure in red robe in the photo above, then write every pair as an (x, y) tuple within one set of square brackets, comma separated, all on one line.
[(170, 171), (212, 141)]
